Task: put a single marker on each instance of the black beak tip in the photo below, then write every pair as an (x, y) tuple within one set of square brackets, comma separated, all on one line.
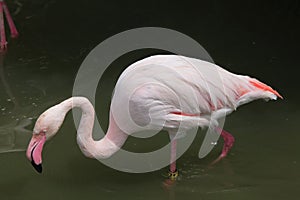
[(38, 168)]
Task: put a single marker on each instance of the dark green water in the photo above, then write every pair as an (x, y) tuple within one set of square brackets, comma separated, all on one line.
[(38, 70)]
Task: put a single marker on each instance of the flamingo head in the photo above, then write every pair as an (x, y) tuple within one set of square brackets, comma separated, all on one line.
[(45, 127)]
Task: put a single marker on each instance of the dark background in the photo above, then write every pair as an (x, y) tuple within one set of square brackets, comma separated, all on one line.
[(240, 35)]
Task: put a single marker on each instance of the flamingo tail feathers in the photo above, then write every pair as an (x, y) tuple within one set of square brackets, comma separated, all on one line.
[(261, 86)]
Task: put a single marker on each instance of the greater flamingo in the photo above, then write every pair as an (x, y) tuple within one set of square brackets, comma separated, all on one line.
[(163, 92)]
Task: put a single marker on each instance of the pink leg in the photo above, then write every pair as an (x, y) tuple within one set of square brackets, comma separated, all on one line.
[(173, 173), (13, 30), (3, 42), (173, 156), (228, 143)]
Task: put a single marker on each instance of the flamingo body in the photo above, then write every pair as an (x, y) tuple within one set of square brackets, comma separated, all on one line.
[(168, 91)]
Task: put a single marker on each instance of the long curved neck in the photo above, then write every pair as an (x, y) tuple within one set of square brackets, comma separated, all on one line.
[(108, 145)]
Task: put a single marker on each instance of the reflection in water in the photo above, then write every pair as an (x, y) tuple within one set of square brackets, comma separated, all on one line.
[(205, 180), (14, 135), (5, 83), (169, 187)]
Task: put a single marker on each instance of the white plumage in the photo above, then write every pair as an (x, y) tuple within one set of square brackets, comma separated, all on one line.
[(153, 91)]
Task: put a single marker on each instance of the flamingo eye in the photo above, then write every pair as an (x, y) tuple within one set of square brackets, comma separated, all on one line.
[(42, 132)]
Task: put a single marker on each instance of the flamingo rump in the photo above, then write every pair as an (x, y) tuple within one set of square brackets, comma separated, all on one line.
[(169, 92)]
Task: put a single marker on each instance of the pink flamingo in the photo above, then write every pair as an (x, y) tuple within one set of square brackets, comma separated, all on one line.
[(163, 91), (13, 31)]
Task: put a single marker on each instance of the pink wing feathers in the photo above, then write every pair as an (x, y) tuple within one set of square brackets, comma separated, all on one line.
[(264, 87)]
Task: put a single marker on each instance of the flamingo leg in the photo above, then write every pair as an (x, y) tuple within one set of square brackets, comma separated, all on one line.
[(228, 143), (13, 30), (3, 42), (173, 173), (173, 156)]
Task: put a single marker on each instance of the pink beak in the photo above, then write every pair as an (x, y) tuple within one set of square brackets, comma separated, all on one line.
[(34, 150)]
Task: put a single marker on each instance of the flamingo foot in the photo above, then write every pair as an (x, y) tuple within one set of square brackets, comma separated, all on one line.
[(228, 143), (13, 30)]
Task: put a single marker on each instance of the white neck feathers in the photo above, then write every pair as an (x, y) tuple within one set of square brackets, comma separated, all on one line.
[(103, 148)]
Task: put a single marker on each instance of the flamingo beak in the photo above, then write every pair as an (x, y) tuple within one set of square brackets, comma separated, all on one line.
[(34, 150)]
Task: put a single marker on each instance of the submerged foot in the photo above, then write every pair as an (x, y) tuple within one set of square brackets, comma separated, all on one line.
[(173, 175)]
